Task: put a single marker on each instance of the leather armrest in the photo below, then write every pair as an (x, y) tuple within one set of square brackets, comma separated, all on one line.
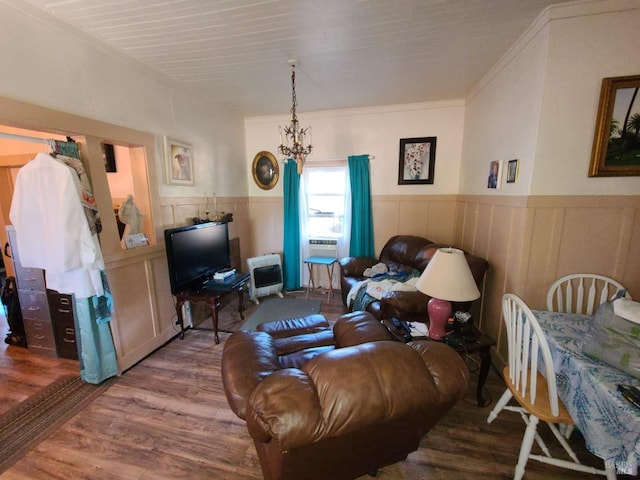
[(355, 266), (247, 358), (446, 367), (285, 406)]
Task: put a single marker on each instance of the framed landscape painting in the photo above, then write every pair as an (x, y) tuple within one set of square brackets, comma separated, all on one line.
[(616, 143), (417, 160)]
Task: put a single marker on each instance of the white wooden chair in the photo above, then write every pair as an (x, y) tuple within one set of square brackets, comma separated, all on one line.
[(535, 393), (560, 298), (590, 289)]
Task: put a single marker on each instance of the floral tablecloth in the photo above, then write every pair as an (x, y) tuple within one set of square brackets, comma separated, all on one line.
[(588, 388)]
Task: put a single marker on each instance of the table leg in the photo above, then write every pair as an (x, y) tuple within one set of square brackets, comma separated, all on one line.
[(330, 273), (485, 363), (180, 321), (240, 301), (310, 284), (215, 303)]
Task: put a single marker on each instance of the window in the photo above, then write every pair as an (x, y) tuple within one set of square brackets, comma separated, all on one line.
[(325, 192)]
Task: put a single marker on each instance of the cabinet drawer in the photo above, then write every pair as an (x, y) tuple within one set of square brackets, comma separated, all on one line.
[(34, 305), (65, 336), (29, 278), (39, 334), (61, 306)]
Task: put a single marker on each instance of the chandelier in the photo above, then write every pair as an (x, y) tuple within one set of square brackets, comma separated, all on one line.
[(294, 136)]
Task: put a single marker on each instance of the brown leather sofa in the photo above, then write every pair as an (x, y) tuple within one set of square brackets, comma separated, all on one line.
[(404, 254), (339, 402)]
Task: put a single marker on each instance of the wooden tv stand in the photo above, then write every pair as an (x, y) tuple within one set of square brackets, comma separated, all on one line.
[(212, 294)]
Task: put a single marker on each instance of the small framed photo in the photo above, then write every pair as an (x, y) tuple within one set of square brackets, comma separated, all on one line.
[(178, 162), (512, 171), (495, 174), (417, 160), (109, 157)]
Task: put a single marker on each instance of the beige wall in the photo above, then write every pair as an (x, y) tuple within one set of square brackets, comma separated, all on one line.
[(430, 216), (539, 104), (531, 241)]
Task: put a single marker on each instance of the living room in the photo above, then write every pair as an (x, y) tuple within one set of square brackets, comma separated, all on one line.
[(538, 104)]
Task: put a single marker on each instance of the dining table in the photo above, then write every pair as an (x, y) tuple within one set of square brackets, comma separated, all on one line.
[(588, 387)]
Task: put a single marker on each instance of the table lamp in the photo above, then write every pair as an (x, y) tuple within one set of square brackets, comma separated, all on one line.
[(446, 279)]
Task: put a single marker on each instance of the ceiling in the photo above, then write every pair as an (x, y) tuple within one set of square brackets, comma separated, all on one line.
[(352, 53)]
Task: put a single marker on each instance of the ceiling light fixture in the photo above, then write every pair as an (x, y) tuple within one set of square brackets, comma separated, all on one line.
[(294, 136)]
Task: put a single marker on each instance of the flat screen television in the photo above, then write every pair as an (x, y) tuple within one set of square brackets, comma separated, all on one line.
[(195, 253)]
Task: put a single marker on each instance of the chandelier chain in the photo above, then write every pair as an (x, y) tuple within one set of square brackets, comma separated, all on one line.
[(294, 100), (292, 143)]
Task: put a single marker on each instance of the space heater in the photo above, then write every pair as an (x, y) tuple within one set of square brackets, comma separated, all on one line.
[(266, 276)]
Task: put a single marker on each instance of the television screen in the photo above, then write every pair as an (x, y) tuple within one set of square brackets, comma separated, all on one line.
[(195, 253)]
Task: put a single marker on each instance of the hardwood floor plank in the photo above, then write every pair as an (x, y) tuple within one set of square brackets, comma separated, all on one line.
[(168, 418)]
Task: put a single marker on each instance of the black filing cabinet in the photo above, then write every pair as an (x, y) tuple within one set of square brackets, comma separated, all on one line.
[(64, 331), (48, 326)]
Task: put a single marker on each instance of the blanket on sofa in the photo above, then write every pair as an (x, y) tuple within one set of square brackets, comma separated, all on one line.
[(374, 288)]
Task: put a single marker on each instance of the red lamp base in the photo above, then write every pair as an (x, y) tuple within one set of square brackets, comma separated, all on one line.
[(439, 312)]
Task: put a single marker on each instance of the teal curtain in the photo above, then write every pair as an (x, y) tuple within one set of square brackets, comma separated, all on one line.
[(291, 248), (361, 243)]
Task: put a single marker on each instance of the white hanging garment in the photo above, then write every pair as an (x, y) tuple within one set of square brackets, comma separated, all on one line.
[(52, 232)]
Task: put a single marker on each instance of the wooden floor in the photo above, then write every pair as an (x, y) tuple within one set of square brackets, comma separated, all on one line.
[(167, 418)]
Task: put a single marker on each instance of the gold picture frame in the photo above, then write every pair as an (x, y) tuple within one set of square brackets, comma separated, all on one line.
[(178, 162), (265, 170), (616, 142)]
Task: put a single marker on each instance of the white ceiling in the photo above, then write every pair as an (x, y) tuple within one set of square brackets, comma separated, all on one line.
[(352, 53)]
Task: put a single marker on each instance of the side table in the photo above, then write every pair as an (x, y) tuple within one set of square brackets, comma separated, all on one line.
[(214, 291), (476, 343), (318, 260)]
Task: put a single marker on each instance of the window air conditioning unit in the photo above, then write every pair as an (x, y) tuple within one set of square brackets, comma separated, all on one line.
[(323, 247), (266, 276)]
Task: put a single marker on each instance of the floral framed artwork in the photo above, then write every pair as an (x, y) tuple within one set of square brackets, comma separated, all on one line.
[(417, 160), (616, 142), (178, 162)]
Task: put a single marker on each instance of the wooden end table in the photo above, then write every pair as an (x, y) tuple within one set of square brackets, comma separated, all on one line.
[(476, 343), (214, 291)]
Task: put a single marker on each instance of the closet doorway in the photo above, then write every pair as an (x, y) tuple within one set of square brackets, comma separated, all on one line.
[(125, 175)]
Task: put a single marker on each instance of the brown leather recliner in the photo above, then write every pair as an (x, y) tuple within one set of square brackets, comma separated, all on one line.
[(361, 402), (403, 253)]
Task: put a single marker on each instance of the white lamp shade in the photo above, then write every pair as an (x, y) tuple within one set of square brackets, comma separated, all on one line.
[(448, 277)]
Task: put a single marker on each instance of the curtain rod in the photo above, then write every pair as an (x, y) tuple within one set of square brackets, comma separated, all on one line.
[(12, 136)]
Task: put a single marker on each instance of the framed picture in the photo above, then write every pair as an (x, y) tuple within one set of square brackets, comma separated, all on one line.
[(495, 174), (616, 142), (109, 157), (265, 170), (512, 171), (178, 162), (417, 160)]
